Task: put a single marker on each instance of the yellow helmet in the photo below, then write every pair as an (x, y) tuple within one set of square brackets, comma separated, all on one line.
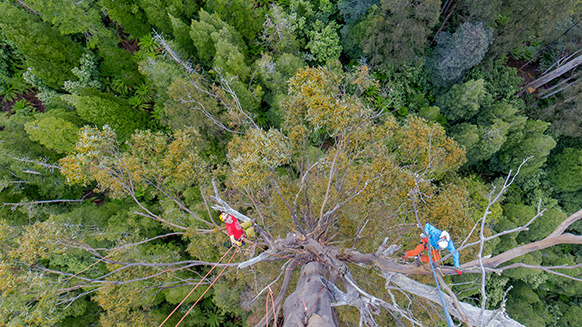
[(222, 216)]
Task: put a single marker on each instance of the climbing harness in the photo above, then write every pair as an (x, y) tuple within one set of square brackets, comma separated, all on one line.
[(192, 291), (447, 315)]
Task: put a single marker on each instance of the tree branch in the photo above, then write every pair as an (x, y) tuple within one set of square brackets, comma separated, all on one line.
[(547, 269)]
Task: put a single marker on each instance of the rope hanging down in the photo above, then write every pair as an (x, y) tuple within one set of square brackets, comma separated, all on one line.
[(447, 315), (192, 291), (210, 286), (270, 294)]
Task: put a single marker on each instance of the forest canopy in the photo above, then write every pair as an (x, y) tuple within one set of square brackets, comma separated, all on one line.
[(335, 128)]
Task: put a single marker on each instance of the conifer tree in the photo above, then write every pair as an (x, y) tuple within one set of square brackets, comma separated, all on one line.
[(566, 170), (529, 141), (245, 17), (53, 132), (50, 54), (128, 15), (463, 101), (71, 17), (208, 31), (181, 32), (105, 109), (352, 10)]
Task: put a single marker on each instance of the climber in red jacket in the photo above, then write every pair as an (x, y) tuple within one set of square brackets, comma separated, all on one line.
[(235, 231)]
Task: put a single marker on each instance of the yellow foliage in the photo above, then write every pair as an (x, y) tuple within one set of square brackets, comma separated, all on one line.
[(449, 210), (157, 158), (253, 156), (427, 148), (40, 241), (124, 306), (316, 103)]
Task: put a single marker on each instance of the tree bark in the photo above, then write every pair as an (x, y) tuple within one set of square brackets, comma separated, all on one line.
[(310, 303), (495, 261), (493, 318)]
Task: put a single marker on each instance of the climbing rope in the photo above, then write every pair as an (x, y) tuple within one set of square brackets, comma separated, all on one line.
[(192, 291), (210, 286), (447, 315), (270, 294)]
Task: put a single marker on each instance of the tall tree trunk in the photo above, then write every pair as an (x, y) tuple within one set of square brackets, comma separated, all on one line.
[(310, 304)]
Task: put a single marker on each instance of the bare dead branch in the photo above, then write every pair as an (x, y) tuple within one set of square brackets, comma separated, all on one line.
[(548, 269), (496, 318), (170, 196), (140, 242), (291, 209), (331, 175), (567, 223), (206, 205), (455, 299), (492, 200), (43, 163), (225, 84), (28, 8)]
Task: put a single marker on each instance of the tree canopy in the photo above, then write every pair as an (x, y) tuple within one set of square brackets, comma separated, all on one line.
[(336, 129)]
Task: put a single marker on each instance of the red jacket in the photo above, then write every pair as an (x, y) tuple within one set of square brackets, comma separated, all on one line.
[(234, 229)]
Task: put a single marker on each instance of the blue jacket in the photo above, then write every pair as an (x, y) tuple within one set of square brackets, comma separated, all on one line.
[(433, 234)]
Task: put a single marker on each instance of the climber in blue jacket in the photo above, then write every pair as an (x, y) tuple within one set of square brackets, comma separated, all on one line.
[(439, 240)]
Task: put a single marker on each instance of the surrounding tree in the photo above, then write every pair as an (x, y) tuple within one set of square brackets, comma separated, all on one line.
[(324, 42), (210, 30), (568, 165), (278, 31), (105, 109), (524, 143), (71, 17), (128, 15), (246, 18), (53, 132), (352, 10), (457, 53), (50, 54), (517, 23), (398, 30), (463, 101), (565, 113)]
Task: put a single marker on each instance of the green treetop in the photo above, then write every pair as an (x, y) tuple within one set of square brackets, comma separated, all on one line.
[(458, 52), (463, 101), (51, 54), (566, 171), (397, 31)]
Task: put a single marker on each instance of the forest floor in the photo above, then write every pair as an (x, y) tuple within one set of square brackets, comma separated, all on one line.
[(525, 70), (29, 96)]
